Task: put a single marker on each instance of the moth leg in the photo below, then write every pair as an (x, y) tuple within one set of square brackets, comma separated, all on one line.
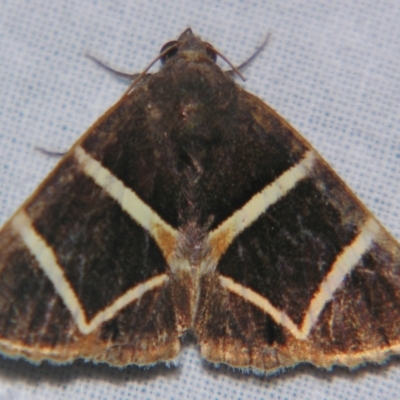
[(113, 71), (50, 152), (120, 74)]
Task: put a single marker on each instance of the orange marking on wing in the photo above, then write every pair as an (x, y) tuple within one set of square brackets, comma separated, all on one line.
[(165, 239), (220, 243)]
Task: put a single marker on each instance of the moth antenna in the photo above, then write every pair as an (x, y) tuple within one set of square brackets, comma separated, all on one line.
[(143, 73), (256, 53), (234, 69), (253, 56)]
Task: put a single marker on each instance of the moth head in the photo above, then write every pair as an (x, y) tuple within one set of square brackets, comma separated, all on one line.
[(188, 46)]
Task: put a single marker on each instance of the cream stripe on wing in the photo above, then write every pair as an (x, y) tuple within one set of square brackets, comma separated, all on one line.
[(141, 213), (44, 254), (342, 266), (261, 302), (221, 237)]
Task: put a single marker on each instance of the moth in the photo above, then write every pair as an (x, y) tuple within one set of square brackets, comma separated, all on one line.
[(192, 206)]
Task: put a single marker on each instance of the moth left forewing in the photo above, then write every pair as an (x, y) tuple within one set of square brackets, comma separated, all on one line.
[(303, 271), (83, 270)]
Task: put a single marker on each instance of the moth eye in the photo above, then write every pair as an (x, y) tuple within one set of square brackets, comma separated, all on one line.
[(211, 52), (170, 53)]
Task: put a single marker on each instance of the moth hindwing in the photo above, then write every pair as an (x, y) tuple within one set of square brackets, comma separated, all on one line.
[(192, 206)]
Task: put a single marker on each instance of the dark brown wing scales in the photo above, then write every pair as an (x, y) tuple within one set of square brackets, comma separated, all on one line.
[(101, 255), (278, 295)]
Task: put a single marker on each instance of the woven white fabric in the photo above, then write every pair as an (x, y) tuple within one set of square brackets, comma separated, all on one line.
[(332, 68)]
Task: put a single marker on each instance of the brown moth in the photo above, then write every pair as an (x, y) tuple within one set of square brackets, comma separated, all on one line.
[(191, 206)]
